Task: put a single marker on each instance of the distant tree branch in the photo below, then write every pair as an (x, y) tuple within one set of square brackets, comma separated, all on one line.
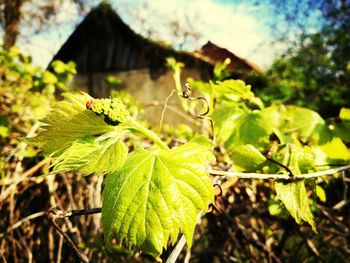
[(11, 17)]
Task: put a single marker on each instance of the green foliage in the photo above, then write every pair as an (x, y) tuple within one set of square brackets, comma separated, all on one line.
[(157, 189), (68, 121), (293, 195), (312, 74), (220, 70), (104, 154), (26, 94), (294, 136), (247, 157), (156, 193), (344, 114)]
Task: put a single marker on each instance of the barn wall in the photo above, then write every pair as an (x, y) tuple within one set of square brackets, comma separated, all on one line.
[(151, 93)]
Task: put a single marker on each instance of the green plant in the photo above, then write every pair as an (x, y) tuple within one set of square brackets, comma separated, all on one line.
[(154, 192), (26, 93)]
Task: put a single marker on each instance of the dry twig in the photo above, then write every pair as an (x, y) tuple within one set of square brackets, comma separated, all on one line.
[(55, 214), (278, 176)]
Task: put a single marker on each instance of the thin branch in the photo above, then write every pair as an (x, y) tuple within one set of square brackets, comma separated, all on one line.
[(181, 243), (82, 257), (164, 109), (279, 176), (25, 219), (177, 250), (31, 171), (175, 110), (56, 213), (59, 214)]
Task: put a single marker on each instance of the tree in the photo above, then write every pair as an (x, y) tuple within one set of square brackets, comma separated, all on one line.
[(17, 16), (10, 20), (314, 72)]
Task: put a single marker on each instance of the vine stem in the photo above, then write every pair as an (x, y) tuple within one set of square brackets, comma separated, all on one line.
[(138, 128), (278, 176)]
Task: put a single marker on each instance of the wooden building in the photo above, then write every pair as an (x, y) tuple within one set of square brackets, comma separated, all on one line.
[(103, 45)]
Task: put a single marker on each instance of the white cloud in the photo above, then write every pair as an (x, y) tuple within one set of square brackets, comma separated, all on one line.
[(232, 26)]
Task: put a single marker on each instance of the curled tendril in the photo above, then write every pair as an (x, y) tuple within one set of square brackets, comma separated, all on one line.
[(187, 94), (218, 186)]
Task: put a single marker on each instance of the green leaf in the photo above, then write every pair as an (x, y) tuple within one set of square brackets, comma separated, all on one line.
[(156, 193), (4, 131), (224, 116), (68, 121), (251, 128), (344, 114), (321, 193), (336, 150), (59, 67), (342, 130), (293, 195), (300, 120), (247, 157), (105, 154), (234, 90), (49, 78)]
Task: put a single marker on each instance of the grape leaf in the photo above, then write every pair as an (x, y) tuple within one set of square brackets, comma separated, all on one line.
[(156, 193), (248, 158), (104, 154), (68, 121), (235, 90), (293, 194), (224, 116), (251, 128), (301, 120)]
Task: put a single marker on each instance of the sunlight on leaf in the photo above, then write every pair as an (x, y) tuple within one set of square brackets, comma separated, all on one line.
[(156, 193), (67, 121), (321, 193), (251, 128), (344, 114), (301, 120), (293, 194), (92, 155), (336, 150), (247, 157)]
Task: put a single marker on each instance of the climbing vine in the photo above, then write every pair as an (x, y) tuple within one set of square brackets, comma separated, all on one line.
[(154, 193)]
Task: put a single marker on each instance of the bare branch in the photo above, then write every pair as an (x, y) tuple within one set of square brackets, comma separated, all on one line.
[(55, 214), (177, 250), (279, 176)]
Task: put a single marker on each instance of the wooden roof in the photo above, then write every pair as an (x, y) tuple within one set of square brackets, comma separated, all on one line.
[(215, 54), (102, 42)]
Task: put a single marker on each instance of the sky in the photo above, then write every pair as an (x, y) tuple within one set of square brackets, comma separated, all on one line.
[(238, 27)]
